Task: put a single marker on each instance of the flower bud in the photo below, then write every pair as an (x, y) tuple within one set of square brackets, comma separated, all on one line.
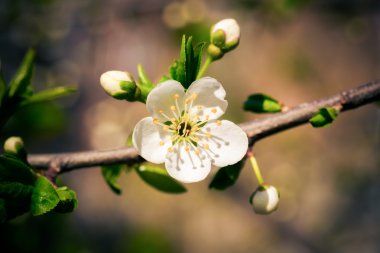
[(226, 34), (265, 199), (15, 146), (120, 85), (214, 52)]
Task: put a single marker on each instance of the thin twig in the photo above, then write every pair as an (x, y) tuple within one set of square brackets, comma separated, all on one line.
[(256, 130)]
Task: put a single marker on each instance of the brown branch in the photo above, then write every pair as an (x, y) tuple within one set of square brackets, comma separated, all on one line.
[(256, 130)]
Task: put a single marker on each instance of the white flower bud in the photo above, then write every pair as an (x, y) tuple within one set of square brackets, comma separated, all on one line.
[(265, 199), (14, 145), (225, 34), (119, 84)]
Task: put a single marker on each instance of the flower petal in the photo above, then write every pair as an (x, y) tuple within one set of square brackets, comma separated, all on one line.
[(187, 166), (162, 98), (209, 102), (151, 141), (227, 142)]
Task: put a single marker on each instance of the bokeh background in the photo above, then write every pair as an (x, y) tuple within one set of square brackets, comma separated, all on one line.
[(294, 50)]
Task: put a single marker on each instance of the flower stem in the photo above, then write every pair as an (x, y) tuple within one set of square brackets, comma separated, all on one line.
[(256, 168), (204, 67)]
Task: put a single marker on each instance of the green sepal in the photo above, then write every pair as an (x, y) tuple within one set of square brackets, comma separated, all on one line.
[(262, 103), (44, 197), (67, 200), (185, 70), (159, 179), (13, 169), (14, 190), (324, 117), (226, 176), (20, 82), (111, 174), (48, 94)]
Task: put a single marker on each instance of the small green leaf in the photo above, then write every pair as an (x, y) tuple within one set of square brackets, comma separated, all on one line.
[(18, 86), (324, 117), (143, 77), (186, 68), (3, 211), (15, 190), (67, 200), (111, 174), (226, 176), (44, 197), (158, 178), (261, 103), (3, 85), (15, 170), (49, 94)]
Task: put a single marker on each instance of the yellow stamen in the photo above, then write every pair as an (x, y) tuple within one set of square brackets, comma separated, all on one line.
[(208, 135), (213, 110), (155, 121), (219, 123), (170, 149), (162, 143), (206, 146), (187, 149), (172, 108), (176, 96)]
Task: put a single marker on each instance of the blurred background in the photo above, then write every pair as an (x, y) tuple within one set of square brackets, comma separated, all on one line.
[(294, 50)]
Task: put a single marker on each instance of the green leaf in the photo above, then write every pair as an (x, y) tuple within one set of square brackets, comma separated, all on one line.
[(15, 190), (13, 169), (3, 211), (49, 94), (3, 85), (324, 117), (67, 200), (111, 174), (226, 176), (18, 86), (261, 103), (143, 77), (44, 197), (185, 70), (158, 178)]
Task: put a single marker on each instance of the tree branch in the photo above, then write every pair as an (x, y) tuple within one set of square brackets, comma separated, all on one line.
[(255, 129)]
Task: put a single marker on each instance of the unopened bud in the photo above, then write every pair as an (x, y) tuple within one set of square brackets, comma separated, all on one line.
[(120, 85), (265, 199), (15, 146), (214, 52), (226, 34)]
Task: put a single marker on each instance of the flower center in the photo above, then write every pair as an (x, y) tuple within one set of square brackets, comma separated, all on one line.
[(184, 129)]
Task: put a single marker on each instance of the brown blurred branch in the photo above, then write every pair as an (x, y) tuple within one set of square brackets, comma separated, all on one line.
[(255, 129)]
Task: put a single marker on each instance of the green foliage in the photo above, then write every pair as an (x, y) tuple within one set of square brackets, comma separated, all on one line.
[(143, 77), (13, 169), (111, 174), (226, 176), (324, 117), (18, 86), (186, 68), (158, 178), (261, 103), (44, 197), (67, 200), (49, 94), (14, 190)]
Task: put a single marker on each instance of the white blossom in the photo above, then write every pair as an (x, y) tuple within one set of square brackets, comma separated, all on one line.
[(184, 132)]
